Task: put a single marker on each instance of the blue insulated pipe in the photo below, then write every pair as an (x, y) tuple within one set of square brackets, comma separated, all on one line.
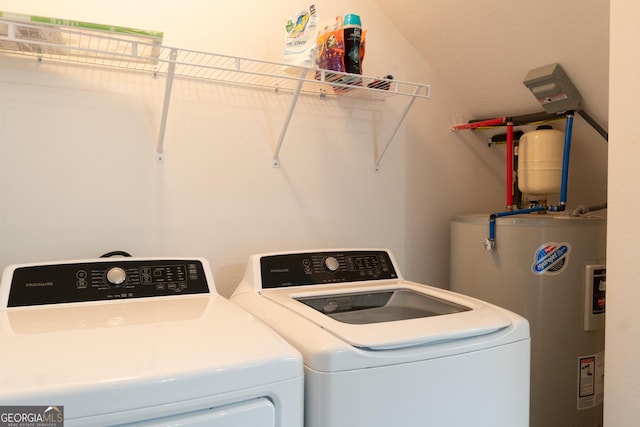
[(565, 160), (490, 243)]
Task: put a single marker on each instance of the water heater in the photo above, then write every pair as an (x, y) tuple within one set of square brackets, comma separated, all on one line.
[(551, 270)]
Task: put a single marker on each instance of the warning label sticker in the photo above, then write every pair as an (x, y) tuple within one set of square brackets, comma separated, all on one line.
[(551, 258), (590, 380)]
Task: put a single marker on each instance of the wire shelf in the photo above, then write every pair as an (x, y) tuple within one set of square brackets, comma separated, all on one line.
[(144, 52)]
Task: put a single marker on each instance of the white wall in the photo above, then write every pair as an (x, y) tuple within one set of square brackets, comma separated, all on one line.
[(622, 365), (79, 175)]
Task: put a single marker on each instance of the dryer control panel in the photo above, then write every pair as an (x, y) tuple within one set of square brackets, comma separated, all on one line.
[(313, 268), (105, 280)]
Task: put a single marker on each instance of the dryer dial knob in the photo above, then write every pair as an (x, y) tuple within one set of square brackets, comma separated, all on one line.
[(116, 276), (331, 263)]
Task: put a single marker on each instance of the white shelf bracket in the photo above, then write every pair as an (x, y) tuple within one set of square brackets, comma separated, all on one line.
[(165, 106), (395, 130), (283, 131)]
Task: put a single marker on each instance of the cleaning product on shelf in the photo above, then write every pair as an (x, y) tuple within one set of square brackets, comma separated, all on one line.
[(381, 83), (336, 53), (66, 37), (352, 28), (300, 39), (331, 49)]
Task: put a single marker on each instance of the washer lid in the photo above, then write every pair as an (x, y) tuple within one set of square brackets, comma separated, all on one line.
[(384, 305), (395, 315)]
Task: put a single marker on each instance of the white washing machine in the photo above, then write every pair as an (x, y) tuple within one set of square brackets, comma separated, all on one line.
[(139, 342), (382, 351)]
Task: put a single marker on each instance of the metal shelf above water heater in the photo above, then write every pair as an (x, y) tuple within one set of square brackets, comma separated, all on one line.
[(145, 54)]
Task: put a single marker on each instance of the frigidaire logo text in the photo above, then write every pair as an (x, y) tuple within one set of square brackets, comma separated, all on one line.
[(38, 284)]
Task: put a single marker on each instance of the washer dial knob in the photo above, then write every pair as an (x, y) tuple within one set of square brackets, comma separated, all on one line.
[(116, 276), (331, 263)]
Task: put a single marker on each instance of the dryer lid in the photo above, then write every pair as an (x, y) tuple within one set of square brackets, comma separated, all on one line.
[(398, 315)]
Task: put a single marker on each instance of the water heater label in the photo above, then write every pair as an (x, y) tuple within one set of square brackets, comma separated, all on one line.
[(590, 380), (551, 258)]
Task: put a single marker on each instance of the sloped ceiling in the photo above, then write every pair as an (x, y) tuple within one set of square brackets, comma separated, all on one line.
[(482, 50)]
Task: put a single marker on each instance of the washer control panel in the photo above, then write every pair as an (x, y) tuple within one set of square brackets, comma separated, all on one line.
[(313, 268), (105, 280)]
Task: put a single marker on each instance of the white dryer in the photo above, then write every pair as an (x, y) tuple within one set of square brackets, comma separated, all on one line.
[(382, 351), (139, 342)]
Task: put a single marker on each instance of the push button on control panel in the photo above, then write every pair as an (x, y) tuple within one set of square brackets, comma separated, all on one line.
[(81, 276), (331, 264), (116, 276)]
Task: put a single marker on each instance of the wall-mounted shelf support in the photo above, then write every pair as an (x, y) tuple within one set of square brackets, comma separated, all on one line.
[(397, 127), (287, 120), (165, 106)]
